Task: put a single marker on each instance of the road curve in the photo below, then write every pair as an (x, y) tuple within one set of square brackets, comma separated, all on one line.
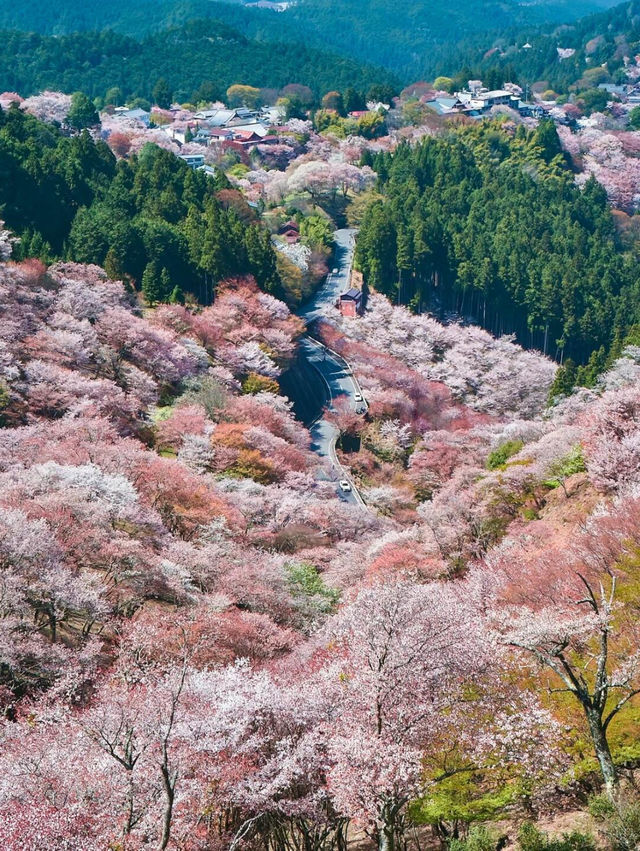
[(333, 369)]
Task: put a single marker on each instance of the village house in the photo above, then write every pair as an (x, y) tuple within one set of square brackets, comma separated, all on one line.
[(255, 128), (140, 115), (209, 170), (290, 232), (192, 160), (218, 117), (272, 114), (446, 105), (350, 303), (213, 134), (484, 100), (222, 117)]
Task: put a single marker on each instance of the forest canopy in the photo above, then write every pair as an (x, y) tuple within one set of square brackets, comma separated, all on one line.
[(411, 39), (492, 226), (185, 57), (67, 197)]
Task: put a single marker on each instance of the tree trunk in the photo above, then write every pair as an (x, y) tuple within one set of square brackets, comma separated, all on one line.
[(130, 803), (388, 834), (386, 839), (169, 789), (53, 623), (603, 752)]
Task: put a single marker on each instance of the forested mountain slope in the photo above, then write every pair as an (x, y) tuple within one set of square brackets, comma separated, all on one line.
[(411, 38), (68, 197), (185, 56), (601, 42), (492, 225)]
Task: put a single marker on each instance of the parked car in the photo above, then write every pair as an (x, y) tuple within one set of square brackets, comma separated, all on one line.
[(358, 397), (345, 485), (335, 272)]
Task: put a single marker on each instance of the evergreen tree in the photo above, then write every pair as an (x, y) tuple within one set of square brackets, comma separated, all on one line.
[(565, 380), (82, 113), (151, 284), (113, 266), (162, 94), (353, 100), (166, 287), (177, 296), (147, 218), (493, 227), (113, 96), (547, 138)]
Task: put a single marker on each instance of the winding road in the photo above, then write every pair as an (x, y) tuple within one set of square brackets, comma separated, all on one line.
[(333, 369)]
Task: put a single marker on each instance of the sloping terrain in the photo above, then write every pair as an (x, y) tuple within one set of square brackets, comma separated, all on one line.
[(407, 36)]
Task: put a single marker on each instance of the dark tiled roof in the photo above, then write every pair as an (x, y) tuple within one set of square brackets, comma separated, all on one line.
[(352, 295)]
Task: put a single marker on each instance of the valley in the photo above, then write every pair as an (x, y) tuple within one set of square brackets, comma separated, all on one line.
[(319, 426)]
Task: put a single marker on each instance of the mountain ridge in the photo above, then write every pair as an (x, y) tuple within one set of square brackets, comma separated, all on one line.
[(405, 37)]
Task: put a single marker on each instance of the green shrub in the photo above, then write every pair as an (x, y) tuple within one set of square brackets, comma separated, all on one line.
[(561, 469), (499, 457), (312, 599), (239, 170), (623, 826), (255, 383), (601, 807), (479, 839), (303, 579), (317, 230), (530, 838)]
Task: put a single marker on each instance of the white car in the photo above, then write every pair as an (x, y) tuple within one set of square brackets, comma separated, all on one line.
[(335, 272), (345, 486), (358, 397)]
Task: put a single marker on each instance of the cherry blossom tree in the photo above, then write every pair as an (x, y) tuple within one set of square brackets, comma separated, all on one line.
[(610, 157), (483, 372), (7, 98), (323, 180), (52, 107), (7, 241), (562, 609), (403, 653), (275, 730), (613, 439)]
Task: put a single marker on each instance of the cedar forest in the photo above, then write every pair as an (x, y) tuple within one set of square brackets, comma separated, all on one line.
[(281, 574)]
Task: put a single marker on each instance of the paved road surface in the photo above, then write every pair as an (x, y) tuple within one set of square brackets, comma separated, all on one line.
[(327, 295), (334, 370)]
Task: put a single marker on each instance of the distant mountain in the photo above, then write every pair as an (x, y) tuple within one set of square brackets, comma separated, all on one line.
[(411, 37), (201, 52), (568, 57)]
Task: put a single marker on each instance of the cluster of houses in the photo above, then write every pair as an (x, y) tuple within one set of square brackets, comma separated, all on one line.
[(238, 129), (242, 125), (627, 93), (476, 101)]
